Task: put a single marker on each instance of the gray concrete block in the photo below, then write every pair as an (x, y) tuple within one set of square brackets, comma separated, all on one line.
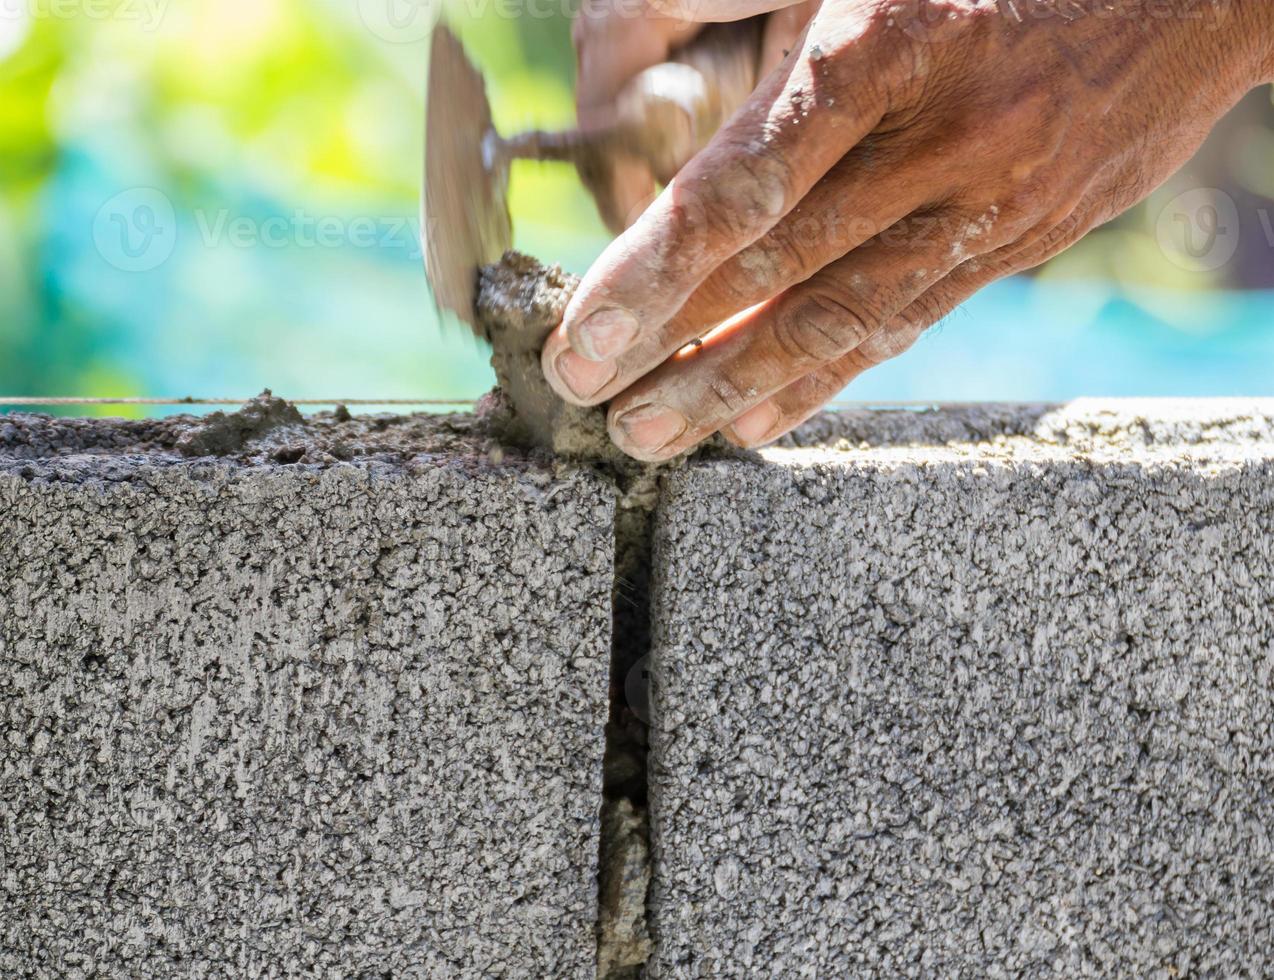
[(335, 716), (980, 692)]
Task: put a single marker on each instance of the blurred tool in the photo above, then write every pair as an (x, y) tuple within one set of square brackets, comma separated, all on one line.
[(663, 116)]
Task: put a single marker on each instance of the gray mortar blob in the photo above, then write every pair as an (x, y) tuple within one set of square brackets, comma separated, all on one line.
[(520, 302), (219, 433)]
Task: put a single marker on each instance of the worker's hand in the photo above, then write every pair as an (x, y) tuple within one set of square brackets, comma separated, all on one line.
[(615, 40), (906, 153)]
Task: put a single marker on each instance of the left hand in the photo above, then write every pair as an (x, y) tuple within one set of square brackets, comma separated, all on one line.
[(617, 39)]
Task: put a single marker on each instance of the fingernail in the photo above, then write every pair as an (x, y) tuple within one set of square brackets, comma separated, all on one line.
[(584, 377), (604, 334), (756, 423), (651, 427)]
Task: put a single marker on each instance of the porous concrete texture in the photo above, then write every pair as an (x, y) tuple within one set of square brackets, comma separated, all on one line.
[(978, 691), (329, 704), (973, 692)]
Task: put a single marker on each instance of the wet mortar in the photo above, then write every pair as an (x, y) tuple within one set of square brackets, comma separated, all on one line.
[(520, 302)]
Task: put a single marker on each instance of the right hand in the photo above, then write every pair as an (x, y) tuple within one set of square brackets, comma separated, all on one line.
[(615, 40), (885, 172)]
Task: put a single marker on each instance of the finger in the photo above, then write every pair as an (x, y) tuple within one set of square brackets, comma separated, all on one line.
[(801, 399), (708, 11), (782, 30), (611, 48), (851, 205), (794, 404), (821, 320), (796, 125)]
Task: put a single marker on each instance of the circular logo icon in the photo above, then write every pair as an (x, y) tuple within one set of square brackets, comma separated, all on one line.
[(637, 688), (682, 10), (136, 230), (920, 20), (400, 21), (1199, 230)]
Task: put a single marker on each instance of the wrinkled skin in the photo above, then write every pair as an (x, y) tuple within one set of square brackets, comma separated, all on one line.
[(903, 155)]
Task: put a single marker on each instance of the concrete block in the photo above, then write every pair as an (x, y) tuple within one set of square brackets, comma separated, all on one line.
[(977, 692), (330, 703)]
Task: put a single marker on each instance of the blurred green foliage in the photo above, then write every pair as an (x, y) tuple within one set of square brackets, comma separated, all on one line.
[(282, 141), (291, 116)]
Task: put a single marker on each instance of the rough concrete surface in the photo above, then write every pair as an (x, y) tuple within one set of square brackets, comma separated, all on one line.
[(622, 933), (976, 692), (329, 704)]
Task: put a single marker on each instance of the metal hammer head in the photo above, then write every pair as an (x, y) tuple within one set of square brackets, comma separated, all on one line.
[(465, 221)]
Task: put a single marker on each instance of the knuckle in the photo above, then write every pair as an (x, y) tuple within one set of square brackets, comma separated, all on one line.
[(894, 32), (1021, 201), (927, 309), (894, 340), (751, 187), (1066, 213), (684, 221), (824, 384), (976, 230), (1057, 239), (1031, 202), (775, 262), (821, 325), (726, 399), (808, 238)]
